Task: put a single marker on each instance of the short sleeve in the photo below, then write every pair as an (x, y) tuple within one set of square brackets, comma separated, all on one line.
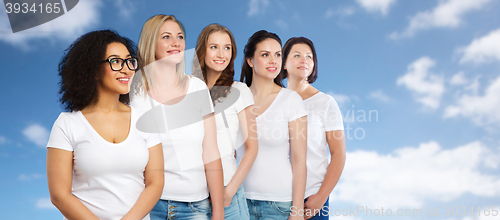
[(59, 136), (296, 108), (245, 99), (333, 117), (206, 105), (153, 140)]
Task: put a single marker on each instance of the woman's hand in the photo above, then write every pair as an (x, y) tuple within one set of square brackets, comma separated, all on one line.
[(313, 205)]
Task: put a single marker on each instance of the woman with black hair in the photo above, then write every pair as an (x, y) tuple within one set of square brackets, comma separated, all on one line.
[(275, 185), (324, 126), (99, 166)]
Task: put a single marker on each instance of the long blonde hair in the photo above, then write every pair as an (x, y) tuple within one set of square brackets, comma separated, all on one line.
[(147, 47)]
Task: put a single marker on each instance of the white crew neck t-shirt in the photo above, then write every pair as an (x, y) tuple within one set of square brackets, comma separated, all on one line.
[(182, 131), (323, 114), (226, 136), (107, 178), (271, 176)]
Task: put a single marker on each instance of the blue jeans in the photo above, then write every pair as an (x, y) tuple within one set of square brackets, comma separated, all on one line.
[(238, 210), (168, 209), (324, 212), (260, 209)]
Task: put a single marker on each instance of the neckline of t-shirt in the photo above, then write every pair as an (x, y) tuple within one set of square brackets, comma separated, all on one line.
[(104, 140), (189, 90), (311, 98), (272, 103)]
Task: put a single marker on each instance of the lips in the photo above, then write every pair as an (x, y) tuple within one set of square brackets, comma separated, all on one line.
[(272, 69), (124, 79), (302, 68), (173, 51), (219, 61)]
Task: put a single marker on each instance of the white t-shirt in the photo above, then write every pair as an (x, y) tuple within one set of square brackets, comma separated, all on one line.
[(323, 114), (182, 130), (271, 175), (107, 178), (239, 98)]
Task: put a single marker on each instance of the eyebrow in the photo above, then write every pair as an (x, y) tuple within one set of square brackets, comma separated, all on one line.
[(266, 51), (114, 55), (300, 52), (166, 32)]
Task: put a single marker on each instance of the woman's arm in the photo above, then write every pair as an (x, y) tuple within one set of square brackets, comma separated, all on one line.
[(60, 177), (336, 143), (213, 167), (249, 130), (153, 179), (298, 146)]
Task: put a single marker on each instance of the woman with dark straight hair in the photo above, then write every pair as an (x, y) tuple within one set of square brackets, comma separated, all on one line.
[(276, 183), (324, 126)]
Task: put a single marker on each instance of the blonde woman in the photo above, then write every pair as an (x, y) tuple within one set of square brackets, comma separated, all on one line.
[(216, 51), (184, 116)]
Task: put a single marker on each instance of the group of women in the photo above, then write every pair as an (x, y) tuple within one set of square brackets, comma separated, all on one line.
[(161, 144)]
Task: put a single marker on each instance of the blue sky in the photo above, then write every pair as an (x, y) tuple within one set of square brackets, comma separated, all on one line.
[(427, 71)]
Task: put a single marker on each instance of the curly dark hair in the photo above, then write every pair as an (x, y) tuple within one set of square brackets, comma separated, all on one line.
[(249, 52), (80, 68), (286, 51)]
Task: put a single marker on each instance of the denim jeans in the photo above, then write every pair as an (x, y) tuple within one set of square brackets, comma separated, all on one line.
[(168, 209), (238, 210), (324, 213), (271, 210)]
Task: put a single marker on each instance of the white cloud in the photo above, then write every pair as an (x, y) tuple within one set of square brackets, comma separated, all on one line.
[(340, 98), (3, 140), (484, 49), (458, 79), (447, 14), (44, 203), (344, 12), (379, 95), (281, 23), (125, 8), (256, 7), (408, 177), (381, 6), (37, 134), (29, 177), (481, 109), (67, 27), (427, 88)]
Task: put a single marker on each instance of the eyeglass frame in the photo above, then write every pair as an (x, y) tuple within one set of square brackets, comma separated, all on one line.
[(123, 62)]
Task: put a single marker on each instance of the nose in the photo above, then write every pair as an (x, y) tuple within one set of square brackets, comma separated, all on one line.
[(176, 43), (220, 53)]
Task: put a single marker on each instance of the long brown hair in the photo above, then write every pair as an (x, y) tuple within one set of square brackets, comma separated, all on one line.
[(223, 84)]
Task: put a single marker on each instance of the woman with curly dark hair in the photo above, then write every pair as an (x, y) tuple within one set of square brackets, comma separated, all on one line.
[(216, 51), (99, 166)]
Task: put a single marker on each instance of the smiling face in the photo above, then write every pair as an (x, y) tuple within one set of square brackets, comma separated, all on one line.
[(299, 62), (170, 43), (219, 52), (266, 61), (117, 82)]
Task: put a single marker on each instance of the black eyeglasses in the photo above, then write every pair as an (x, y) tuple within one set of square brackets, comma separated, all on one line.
[(117, 64)]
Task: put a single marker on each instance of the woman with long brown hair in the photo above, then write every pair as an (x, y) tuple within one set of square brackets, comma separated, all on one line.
[(216, 51)]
